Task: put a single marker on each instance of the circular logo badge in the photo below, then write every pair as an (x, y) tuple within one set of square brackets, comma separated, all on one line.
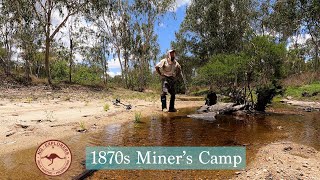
[(53, 157)]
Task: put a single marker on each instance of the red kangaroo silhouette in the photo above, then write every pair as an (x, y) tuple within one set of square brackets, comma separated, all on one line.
[(51, 157)]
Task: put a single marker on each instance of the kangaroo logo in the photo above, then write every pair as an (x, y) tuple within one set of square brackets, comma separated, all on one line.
[(53, 157)]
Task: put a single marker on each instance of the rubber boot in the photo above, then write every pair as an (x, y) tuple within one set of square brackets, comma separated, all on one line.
[(163, 102), (171, 106)]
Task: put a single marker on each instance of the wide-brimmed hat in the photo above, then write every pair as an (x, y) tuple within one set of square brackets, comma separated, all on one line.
[(171, 50)]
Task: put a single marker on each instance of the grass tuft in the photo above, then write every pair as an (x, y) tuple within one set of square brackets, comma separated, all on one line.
[(106, 107), (137, 117)]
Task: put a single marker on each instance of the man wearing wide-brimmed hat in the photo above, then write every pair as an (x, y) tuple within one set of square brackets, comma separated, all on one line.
[(168, 69)]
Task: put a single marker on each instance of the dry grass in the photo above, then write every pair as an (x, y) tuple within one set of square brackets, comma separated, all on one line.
[(38, 81), (301, 79)]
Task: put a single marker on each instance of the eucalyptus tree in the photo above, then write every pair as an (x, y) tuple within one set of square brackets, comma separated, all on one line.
[(296, 18), (93, 46), (311, 19), (145, 47), (28, 37), (8, 29), (74, 33), (106, 17), (128, 27), (44, 13), (215, 26)]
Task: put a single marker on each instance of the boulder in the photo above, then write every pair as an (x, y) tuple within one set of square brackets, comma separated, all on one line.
[(210, 112), (209, 116)]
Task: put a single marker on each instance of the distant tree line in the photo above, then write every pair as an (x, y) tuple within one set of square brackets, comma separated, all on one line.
[(119, 29), (235, 46)]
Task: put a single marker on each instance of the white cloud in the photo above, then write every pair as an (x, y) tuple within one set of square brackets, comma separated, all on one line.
[(161, 25), (78, 57), (58, 17), (114, 64), (112, 74), (16, 54), (77, 22), (180, 3), (300, 39)]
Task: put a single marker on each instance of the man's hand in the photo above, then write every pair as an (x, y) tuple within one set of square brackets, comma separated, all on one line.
[(158, 71)]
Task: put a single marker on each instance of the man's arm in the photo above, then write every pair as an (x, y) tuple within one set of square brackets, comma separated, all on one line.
[(158, 70), (158, 66), (178, 71)]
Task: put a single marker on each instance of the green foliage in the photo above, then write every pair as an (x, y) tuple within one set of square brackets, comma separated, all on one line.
[(294, 63), (87, 75), (296, 91), (260, 64), (223, 70), (138, 80), (267, 59), (59, 70), (3, 53), (214, 27)]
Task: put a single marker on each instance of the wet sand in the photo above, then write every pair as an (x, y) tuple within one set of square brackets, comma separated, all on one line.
[(31, 116)]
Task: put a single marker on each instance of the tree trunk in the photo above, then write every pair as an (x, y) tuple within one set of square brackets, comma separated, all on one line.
[(105, 68), (70, 61), (27, 67), (8, 55), (38, 69), (126, 67), (48, 41), (316, 58), (119, 58), (46, 61)]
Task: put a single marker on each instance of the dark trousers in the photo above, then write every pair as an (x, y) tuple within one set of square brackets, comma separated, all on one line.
[(168, 84)]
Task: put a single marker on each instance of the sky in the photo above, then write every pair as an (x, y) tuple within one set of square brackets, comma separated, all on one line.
[(169, 24), (165, 30)]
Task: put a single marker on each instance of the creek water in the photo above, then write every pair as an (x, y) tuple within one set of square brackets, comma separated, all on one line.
[(175, 129)]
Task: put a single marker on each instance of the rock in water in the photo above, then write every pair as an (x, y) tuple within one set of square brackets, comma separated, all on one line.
[(209, 112), (203, 108), (210, 116), (220, 107)]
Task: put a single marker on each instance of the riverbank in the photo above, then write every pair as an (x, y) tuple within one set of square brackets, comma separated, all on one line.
[(35, 114), (283, 160), (30, 116), (306, 105)]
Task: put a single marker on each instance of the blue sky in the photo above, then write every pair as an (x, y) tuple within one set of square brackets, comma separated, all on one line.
[(168, 27), (165, 30)]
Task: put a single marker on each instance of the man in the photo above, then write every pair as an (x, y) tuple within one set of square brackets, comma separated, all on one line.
[(168, 69)]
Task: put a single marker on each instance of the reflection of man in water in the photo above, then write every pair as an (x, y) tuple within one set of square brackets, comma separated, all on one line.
[(168, 69)]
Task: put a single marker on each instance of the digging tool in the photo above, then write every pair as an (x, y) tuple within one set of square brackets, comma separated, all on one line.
[(117, 102)]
